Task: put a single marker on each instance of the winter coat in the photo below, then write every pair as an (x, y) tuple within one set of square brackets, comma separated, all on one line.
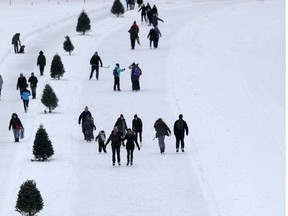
[(83, 115), (41, 60), (33, 81), (21, 83), (115, 138), (131, 140), (1, 82), (143, 9), (95, 60), (88, 126), (154, 10), (25, 94), (154, 33), (133, 32), (180, 127), (101, 137), (161, 128), (135, 73), (118, 71), (16, 38), (15, 123), (121, 126), (137, 125), (155, 19)]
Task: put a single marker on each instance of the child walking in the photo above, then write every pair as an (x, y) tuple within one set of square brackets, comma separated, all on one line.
[(101, 137)]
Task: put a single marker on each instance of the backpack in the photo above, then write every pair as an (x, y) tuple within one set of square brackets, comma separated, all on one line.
[(137, 71), (115, 72)]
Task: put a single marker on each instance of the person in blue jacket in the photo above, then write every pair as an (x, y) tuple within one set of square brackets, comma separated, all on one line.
[(25, 97), (116, 73)]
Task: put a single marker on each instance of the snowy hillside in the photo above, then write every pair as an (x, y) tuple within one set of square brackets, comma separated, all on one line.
[(220, 63)]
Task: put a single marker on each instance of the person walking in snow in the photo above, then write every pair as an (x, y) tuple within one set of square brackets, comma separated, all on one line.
[(21, 83), (135, 76), (95, 61), (1, 84), (155, 19), (154, 35), (180, 128), (25, 97), (16, 42), (115, 138), (162, 130), (82, 118), (41, 62), (16, 126), (88, 127), (137, 127), (101, 137), (130, 145), (143, 10), (116, 73), (121, 126), (33, 84), (133, 31)]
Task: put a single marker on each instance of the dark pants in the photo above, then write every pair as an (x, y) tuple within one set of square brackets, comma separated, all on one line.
[(15, 47), (94, 67), (132, 43), (135, 85), (33, 90), (143, 17), (41, 69), (116, 150), (26, 103), (102, 147), (116, 83), (130, 155), (178, 141), (140, 135)]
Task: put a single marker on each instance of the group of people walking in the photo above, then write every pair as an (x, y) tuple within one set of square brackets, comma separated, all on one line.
[(132, 136)]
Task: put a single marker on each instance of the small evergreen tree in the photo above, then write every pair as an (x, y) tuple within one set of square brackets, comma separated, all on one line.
[(49, 98), (42, 148), (29, 201), (68, 46), (117, 8), (57, 67), (83, 24)]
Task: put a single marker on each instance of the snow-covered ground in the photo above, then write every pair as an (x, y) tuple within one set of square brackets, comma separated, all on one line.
[(219, 63)]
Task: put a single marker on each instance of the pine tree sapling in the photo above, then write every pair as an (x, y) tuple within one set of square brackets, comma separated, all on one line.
[(83, 24), (29, 201), (117, 8), (57, 69), (49, 98), (42, 148), (68, 46)]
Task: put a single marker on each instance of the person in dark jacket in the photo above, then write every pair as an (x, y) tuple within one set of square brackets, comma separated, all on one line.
[(16, 126), (149, 14), (101, 137), (33, 84), (121, 126), (130, 145), (137, 127), (82, 119), (88, 127), (115, 138), (16, 42), (25, 97), (155, 19), (95, 61), (154, 35), (21, 83), (143, 10), (162, 130), (41, 62), (134, 29), (180, 128)]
